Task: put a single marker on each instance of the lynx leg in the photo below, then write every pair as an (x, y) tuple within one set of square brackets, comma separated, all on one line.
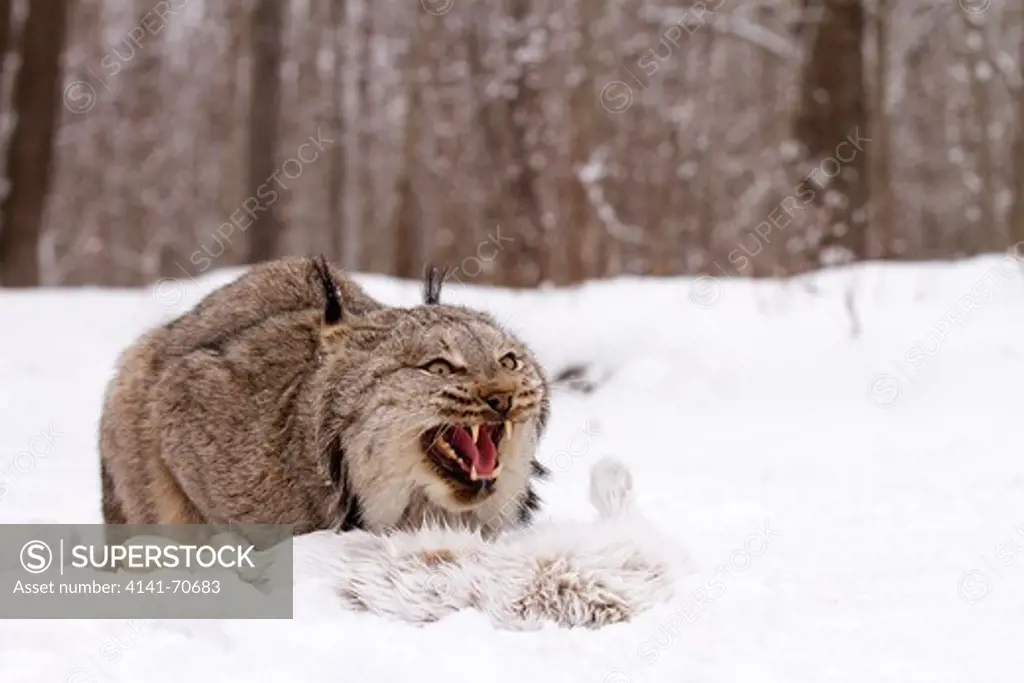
[(170, 501), (126, 438), (560, 594), (112, 511)]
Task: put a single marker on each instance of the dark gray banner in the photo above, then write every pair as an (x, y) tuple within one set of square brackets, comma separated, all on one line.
[(92, 571)]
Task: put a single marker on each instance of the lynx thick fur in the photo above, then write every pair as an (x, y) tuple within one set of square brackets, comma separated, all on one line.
[(574, 574), (291, 397)]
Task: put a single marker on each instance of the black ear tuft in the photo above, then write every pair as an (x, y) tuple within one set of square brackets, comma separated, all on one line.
[(332, 310), (433, 279)]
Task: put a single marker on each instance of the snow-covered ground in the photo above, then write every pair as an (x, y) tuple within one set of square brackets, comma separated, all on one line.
[(840, 455)]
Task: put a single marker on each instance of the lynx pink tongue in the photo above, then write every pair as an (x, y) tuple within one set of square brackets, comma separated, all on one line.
[(482, 454)]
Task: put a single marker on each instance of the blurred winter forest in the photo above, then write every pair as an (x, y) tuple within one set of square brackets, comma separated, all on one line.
[(519, 141)]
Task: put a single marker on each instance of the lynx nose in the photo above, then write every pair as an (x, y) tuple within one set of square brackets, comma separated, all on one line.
[(500, 402)]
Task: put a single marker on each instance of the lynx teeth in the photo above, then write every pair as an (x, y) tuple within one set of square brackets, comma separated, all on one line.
[(508, 429), (475, 431), (475, 476), (447, 450)]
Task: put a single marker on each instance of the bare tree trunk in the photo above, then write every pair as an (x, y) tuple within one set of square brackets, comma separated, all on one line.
[(142, 233), (882, 197), (706, 208), (223, 111), (264, 117), (409, 238), (987, 236), (1017, 210), (5, 36), (495, 208), (511, 200), (528, 226), (363, 190), (36, 101), (832, 108), (337, 225), (580, 243)]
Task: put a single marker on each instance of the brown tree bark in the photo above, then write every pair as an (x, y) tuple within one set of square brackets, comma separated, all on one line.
[(514, 119), (832, 107), (883, 200), (336, 179), (264, 118), (37, 91), (408, 224), (579, 240), (143, 232), (363, 191), (5, 36), (986, 234), (1017, 210), (221, 121)]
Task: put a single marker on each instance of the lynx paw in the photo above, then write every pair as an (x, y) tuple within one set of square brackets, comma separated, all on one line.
[(560, 594)]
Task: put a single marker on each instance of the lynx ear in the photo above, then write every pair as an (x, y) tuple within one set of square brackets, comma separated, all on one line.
[(332, 310), (433, 278)]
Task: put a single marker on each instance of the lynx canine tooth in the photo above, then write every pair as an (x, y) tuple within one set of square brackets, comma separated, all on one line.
[(447, 450), (508, 428), (475, 431)]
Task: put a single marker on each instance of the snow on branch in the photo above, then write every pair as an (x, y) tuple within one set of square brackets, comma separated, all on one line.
[(590, 175), (757, 35), (728, 23)]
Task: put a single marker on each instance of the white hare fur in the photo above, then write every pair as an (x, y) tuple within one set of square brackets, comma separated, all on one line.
[(575, 574)]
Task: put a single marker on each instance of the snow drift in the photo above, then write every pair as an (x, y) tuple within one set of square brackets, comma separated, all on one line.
[(838, 526)]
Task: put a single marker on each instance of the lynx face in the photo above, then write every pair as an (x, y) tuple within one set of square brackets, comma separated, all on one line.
[(486, 396), (452, 413)]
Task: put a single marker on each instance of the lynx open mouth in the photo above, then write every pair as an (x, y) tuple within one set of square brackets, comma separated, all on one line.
[(467, 454)]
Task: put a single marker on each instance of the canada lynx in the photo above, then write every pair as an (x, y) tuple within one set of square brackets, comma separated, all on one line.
[(291, 397)]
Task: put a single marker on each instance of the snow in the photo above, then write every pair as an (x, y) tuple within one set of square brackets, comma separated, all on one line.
[(850, 501)]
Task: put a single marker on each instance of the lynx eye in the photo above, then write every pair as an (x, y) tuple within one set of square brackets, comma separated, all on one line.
[(439, 367), (509, 361)]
